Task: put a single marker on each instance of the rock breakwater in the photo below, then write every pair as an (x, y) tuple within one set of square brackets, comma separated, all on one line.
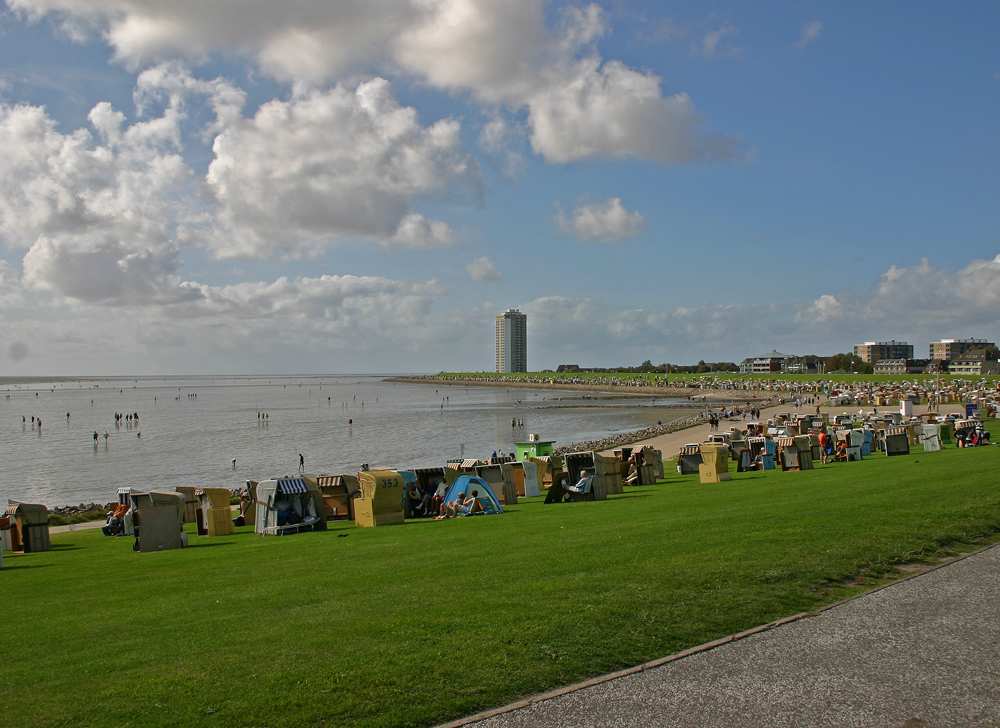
[(625, 438)]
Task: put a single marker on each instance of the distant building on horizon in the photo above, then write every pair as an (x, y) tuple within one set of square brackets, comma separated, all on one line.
[(775, 362), (951, 349), (512, 342), (906, 366), (976, 361), (871, 351)]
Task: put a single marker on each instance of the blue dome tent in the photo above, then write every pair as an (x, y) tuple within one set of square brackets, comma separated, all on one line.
[(487, 499)]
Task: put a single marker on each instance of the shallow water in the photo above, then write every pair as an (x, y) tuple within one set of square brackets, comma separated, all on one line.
[(192, 428)]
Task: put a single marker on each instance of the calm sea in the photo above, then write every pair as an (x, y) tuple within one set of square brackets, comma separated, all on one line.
[(192, 427)]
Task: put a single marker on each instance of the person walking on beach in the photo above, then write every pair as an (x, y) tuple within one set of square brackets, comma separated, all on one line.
[(302, 463)]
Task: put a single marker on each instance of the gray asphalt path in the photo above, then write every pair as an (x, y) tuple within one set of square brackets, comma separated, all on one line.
[(922, 653)]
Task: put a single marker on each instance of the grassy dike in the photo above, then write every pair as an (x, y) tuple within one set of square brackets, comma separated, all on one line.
[(674, 377), (411, 625)]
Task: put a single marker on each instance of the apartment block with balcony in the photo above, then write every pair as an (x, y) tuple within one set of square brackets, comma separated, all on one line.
[(951, 349), (872, 351)]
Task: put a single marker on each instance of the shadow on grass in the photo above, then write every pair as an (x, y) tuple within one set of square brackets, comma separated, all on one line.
[(414, 521), (12, 567), (66, 547), (198, 545)]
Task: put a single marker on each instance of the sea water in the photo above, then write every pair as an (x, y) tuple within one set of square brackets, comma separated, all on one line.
[(190, 429)]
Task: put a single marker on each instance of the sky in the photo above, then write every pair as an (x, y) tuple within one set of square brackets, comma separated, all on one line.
[(323, 186)]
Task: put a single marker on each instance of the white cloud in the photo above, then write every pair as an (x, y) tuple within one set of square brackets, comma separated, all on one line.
[(55, 184), (916, 304), (483, 269), (811, 30), (717, 41), (588, 329), (308, 324), (332, 163), (503, 54), (914, 298), (364, 319), (577, 108), (11, 293), (415, 232), (294, 40), (613, 111), (604, 222), (504, 144), (331, 299), (107, 271), (98, 217), (104, 213), (490, 48)]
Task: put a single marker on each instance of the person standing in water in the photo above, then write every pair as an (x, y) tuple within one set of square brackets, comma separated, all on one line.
[(302, 463)]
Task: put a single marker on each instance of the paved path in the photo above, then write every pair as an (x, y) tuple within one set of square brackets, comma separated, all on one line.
[(921, 653), (76, 526)]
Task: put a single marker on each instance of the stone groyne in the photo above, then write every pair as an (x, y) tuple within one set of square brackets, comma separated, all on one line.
[(625, 438), (83, 512)]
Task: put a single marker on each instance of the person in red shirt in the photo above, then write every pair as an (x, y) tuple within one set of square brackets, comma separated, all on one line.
[(824, 447)]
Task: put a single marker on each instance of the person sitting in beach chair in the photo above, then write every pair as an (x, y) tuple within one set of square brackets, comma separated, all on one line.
[(115, 519), (437, 500), (288, 516), (581, 487), (418, 502), (841, 455)]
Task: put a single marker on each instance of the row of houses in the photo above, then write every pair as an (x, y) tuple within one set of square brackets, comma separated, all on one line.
[(980, 362), (977, 361), (775, 361), (947, 350)]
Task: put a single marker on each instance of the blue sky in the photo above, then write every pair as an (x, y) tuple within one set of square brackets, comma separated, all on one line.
[(362, 185)]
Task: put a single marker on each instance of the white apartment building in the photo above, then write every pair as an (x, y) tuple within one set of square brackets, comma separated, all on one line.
[(512, 342)]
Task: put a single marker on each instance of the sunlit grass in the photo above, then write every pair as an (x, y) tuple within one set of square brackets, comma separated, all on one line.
[(415, 624), (924, 379)]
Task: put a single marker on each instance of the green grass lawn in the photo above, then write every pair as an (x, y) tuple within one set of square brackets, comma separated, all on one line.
[(925, 379), (415, 624)]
